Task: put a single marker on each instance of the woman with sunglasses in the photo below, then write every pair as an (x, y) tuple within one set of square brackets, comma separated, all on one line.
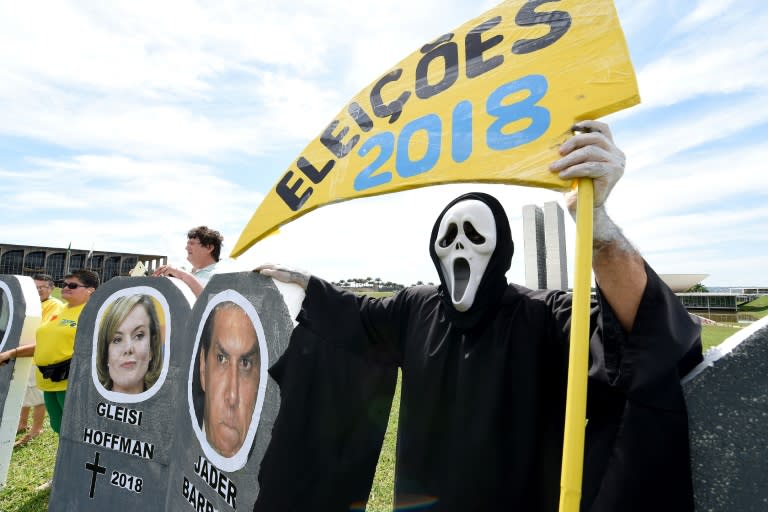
[(55, 343)]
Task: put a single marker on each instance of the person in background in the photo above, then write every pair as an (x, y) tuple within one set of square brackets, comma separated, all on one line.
[(51, 305), (55, 344), (33, 398), (203, 252)]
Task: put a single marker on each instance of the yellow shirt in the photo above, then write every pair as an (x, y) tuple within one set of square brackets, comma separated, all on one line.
[(55, 342), (51, 307)]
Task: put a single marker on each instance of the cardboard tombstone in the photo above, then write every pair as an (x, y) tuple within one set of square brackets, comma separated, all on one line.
[(20, 313), (727, 396), (239, 326), (126, 377)]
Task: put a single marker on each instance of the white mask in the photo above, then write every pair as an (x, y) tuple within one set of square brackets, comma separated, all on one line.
[(465, 243)]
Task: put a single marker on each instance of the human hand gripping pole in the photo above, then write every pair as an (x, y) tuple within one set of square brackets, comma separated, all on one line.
[(597, 164)]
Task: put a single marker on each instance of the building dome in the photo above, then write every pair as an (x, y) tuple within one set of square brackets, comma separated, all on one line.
[(682, 282)]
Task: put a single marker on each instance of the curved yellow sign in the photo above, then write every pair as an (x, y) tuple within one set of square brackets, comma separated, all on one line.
[(489, 102)]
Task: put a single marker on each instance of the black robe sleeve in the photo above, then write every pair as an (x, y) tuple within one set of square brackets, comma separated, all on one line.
[(637, 450), (329, 430), (371, 327)]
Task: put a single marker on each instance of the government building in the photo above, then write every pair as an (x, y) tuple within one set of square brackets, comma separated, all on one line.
[(58, 261), (546, 262)]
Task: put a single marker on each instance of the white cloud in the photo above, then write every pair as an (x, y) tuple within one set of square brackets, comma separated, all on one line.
[(710, 52), (698, 181), (115, 201), (654, 143), (136, 77), (710, 69), (706, 10), (143, 103)]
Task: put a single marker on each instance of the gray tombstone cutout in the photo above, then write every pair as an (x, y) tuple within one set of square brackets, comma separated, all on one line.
[(727, 396), (11, 319), (20, 313), (230, 402), (127, 374)]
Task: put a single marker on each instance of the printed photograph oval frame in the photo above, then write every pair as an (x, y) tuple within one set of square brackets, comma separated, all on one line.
[(194, 389), (164, 320)]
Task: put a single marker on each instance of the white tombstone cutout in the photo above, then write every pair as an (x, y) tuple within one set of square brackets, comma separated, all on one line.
[(727, 397), (20, 313), (226, 414), (126, 379)]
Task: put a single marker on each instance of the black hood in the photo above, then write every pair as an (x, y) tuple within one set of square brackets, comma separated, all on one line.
[(494, 281)]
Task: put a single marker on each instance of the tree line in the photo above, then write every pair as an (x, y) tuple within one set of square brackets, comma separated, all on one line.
[(372, 283)]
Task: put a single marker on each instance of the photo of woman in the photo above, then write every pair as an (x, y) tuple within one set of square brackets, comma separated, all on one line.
[(129, 355)]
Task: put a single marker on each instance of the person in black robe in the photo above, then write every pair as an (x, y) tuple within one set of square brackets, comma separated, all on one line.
[(484, 364)]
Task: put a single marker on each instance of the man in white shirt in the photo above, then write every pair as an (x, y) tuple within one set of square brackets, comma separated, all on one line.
[(203, 252)]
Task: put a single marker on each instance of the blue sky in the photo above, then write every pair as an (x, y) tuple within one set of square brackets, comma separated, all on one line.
[(126, 123)]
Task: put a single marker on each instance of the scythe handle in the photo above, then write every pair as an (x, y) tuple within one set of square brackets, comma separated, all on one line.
[(578, 358)]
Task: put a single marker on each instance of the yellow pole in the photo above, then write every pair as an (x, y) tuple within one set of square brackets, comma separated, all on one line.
[(578, 358)]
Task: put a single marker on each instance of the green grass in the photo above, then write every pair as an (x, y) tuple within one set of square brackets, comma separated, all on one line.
[(382, 490), (31, 465), (757, 308), (375, 294), (713, 335)]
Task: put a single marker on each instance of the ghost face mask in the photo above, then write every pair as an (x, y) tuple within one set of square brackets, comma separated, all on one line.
[(464, 245)]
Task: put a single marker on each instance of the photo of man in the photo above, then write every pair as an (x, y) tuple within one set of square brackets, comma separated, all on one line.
[(226, 378)]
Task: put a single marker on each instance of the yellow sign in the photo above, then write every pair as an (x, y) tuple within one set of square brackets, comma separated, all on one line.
[(489, 102)]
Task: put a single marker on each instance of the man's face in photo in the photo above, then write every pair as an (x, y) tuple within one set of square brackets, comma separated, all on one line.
[(229, 376)]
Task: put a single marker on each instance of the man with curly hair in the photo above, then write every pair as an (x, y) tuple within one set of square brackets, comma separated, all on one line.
[(203, 252)]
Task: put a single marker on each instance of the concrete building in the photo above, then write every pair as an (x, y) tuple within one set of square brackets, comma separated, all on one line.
[(56, 261), (554, 241), (533, 247), (546, 262)]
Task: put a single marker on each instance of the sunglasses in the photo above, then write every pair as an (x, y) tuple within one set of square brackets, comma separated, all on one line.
[(73, 286)]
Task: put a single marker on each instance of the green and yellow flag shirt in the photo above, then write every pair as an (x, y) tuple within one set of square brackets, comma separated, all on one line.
[(56, 343), (51, 307)]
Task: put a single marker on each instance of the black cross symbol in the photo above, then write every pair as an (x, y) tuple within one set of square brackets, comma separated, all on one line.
[(95, 468)]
